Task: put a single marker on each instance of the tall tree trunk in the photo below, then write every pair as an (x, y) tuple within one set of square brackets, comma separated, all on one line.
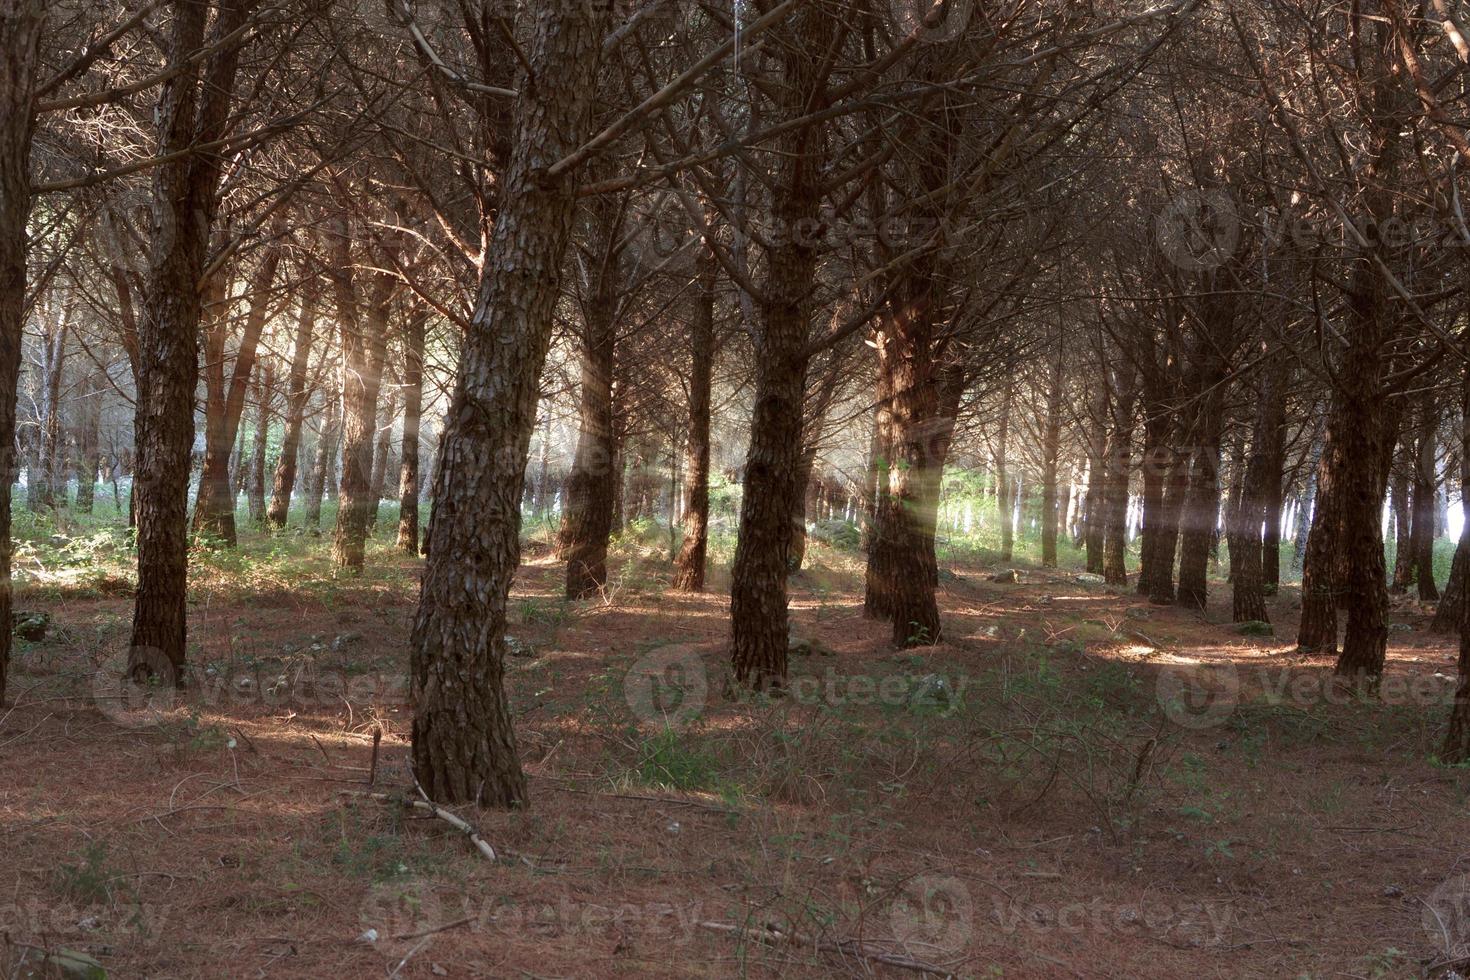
[(758, 596), (364, 336), (88, 429), (587, 520), (52, 475), (322, 474), (1402, 508), (1426, 447), (21, 26), (464, 747), (1118, 461), (264, 395), (381, 449), (1250, 550), (192, 110), (878, 591), (689, 566), (1051, 449), (1454, 608), (284, 482), (1005, 502), (413, 410)]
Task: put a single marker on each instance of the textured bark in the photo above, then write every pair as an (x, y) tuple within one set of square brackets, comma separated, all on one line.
[(413, 410), (194, 108), (298, 392), (878, 596), (21, 26), (1449, 614), (1094, 515), (587, 520), (464, 745), (758, 597), (1401, 507), (364, 336), (689, 566)]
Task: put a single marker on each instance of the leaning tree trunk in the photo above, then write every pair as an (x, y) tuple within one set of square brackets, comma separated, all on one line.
[(21, 23), (192, 110), (284, 482), (413, 410), (464, 747), (689, 566)]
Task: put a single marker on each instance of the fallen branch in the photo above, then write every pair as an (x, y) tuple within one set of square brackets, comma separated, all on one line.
[(847, 947), (458, 823)]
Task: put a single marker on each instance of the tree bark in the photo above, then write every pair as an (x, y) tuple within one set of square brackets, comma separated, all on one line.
[(1250, 548), (1117, 463), (264, 396), (689, 566), (214, 505), (21, 25), (464, 747), (364, 336), (413, 410), (1426, 447), (194, 108), (1051, 449), (323, 468), (284, 483)]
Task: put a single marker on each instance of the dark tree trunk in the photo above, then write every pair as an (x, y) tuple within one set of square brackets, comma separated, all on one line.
[(1421, 540), (878, 589), (259, 444), (413, 410), (1262, 476), (1094, 512), (689, 566), (284, 483), (758, 597), (464, 747), (21, 24), (1117, 461), (587, 520), (51, 479), (1454, 607), (1005, 502), (1051, 449), (192, 110), (1401, 506)]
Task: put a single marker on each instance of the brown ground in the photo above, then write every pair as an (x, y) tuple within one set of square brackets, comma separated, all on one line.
[(1054, 823)]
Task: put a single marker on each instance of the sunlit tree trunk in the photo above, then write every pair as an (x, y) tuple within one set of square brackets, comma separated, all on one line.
[(464, 747)]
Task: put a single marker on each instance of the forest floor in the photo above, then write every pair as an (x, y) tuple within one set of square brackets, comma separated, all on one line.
[(1073, 784)]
